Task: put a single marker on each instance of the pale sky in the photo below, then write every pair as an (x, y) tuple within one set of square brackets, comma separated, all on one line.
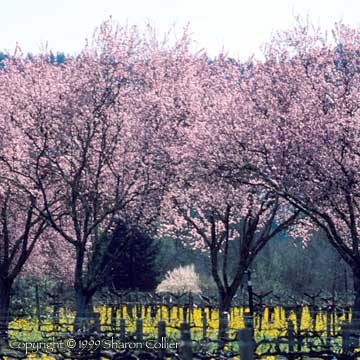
[(237, 26)]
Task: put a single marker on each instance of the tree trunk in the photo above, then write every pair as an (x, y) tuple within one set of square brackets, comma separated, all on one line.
[(84, 310), (356, 306), (224, 316), (353, 330), (5, 288)]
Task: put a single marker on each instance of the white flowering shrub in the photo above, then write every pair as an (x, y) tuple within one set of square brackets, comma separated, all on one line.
[(180, 281)]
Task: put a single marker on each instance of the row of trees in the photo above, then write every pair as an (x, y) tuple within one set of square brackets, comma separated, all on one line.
[(221, 154)]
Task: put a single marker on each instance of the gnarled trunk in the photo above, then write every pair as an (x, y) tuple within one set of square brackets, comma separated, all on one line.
[(356, 305), (83, 296), (224, 317), (84, 311), (5, 288), (355, 321)]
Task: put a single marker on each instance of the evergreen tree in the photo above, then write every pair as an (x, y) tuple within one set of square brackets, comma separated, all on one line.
[(3, 56), (60, 58), (133, 257)]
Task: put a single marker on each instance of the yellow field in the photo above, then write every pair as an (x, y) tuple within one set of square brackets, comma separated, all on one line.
[(273, 325)]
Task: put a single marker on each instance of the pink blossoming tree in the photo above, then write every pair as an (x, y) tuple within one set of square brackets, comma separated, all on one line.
[(98, 127), (21, 225), (227, 219), (306, 94)]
